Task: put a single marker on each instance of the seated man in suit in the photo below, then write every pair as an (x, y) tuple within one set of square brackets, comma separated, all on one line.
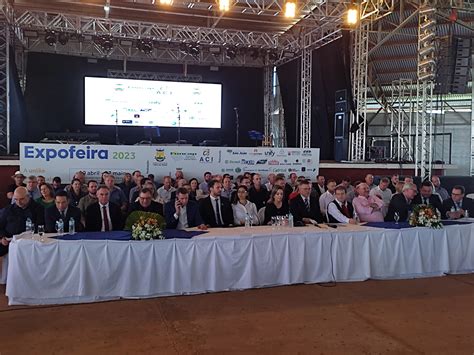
[(13, 219), (402, 203), (183, 213), (145, 203), (215, 210), (426, 197), (339, 210), (62, 210), (305, 207), (456, 206), (103, 216)]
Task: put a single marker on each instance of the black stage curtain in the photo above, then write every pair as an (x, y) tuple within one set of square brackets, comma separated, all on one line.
[(18, 120), (330, 73), (55, 99)]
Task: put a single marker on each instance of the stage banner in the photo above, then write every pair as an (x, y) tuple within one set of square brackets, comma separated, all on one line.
[(64, 160)]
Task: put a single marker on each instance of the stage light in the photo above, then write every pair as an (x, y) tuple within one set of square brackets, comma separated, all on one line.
[(272, 56), (107, 8), (145, 45), (106, 42), (231, 53), (63, 38), (224, 5), (193, 49), (254, 53), (50, 38), (290, 8), (166, 2), (352, 17)]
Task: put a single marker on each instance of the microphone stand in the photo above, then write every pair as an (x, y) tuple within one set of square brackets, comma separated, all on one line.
[(236, 109), (116, 128), (179, 125)]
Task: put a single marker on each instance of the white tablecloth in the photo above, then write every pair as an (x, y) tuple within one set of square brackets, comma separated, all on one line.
[(55, 271)]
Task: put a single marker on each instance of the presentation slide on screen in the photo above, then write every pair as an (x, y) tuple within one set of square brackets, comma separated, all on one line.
[(126, 102)]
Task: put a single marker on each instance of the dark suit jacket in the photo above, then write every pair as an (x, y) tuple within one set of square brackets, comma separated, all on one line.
[(51, 215), (466, 204), (434, 200), (399, 204), (192, 212), (155, 207), (315, 191), (299, 211), (94, 217), (13, 220), (207, 212)]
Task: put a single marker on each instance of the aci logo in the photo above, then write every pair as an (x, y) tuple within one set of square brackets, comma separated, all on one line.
[(88, 153), (160, 155), (206, 156)]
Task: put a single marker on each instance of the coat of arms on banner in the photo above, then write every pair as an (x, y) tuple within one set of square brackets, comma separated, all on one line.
[(160, 155)]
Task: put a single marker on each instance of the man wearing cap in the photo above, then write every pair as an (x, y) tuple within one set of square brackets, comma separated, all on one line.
[(18, 177)]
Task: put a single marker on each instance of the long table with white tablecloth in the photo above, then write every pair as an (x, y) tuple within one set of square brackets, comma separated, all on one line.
[(52, 271)]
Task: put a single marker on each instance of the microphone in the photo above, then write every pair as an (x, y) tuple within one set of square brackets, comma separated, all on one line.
[(236, 108)]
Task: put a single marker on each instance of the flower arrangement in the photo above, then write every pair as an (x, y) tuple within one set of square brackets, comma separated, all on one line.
[(425, 216), (147, 228)]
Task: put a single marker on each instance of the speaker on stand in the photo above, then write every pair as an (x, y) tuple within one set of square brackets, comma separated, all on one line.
[(341, 127)]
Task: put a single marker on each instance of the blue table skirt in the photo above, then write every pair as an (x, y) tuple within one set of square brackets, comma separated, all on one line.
[(401, 225), (126, 235)]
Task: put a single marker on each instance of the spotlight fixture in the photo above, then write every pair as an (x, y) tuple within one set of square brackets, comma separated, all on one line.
[(215, 50), (107, 8), (145, 45), (224, 5), (193, 49), (106, 42), (231, 53), (254, 53), (272, 56), (166, 2), (352, 17), (50, 38), (290, 8), (63, 38)]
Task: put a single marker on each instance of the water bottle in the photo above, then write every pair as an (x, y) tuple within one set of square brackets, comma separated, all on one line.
[(72, 226), (247, 220), (291, 223), (60, 226), (356, 217), (29, 225), (466, 214)]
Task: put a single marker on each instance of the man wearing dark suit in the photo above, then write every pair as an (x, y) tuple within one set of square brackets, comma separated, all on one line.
[(63, 211), (183, 213), (103, 216), (402, 203), (13, 219), (320, 186), (145, 203), (215, 210), (305, 206), (426, 197), (456, 206)]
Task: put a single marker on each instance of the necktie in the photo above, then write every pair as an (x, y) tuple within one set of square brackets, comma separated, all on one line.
[(218, 214), (345, 210), (106, 219), (63, 215), (306, 203)]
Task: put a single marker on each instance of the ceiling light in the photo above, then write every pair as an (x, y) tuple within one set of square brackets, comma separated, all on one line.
[(224, 5), (166, 2), (231, 53), (145, 45), (63, 38), (352, 17), (107, 8), (290, 8)]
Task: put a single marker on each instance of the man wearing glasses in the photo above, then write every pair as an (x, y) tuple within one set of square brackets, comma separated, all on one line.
[(305, 207), (145, 203), (457, 205), (402, 203)]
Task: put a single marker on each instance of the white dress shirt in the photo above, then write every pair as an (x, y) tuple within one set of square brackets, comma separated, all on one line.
[(240, 211), (335, 213), (324, 201), (182, 218), (165, 195)]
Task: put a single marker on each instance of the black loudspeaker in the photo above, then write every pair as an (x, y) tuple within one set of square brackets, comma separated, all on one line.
[(341, 125)]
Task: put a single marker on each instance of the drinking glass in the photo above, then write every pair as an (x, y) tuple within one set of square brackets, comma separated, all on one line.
[(396, 217), (273, 222), (41, 232)]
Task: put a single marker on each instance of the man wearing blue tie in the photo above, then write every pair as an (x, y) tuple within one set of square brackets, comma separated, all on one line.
[(457, 205)]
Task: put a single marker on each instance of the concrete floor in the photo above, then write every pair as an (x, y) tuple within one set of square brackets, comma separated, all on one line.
[(405, 316)]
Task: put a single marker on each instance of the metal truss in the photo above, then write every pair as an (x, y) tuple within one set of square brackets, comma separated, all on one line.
[(143, 75), (425, 85), (360, 89), (401, 120), (4, 86), (268, 105), (305, 99)]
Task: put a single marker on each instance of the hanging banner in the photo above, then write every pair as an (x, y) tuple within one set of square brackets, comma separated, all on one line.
[(64, 160)]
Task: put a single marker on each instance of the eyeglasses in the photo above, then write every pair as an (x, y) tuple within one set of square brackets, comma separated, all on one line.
[(453, 194)]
